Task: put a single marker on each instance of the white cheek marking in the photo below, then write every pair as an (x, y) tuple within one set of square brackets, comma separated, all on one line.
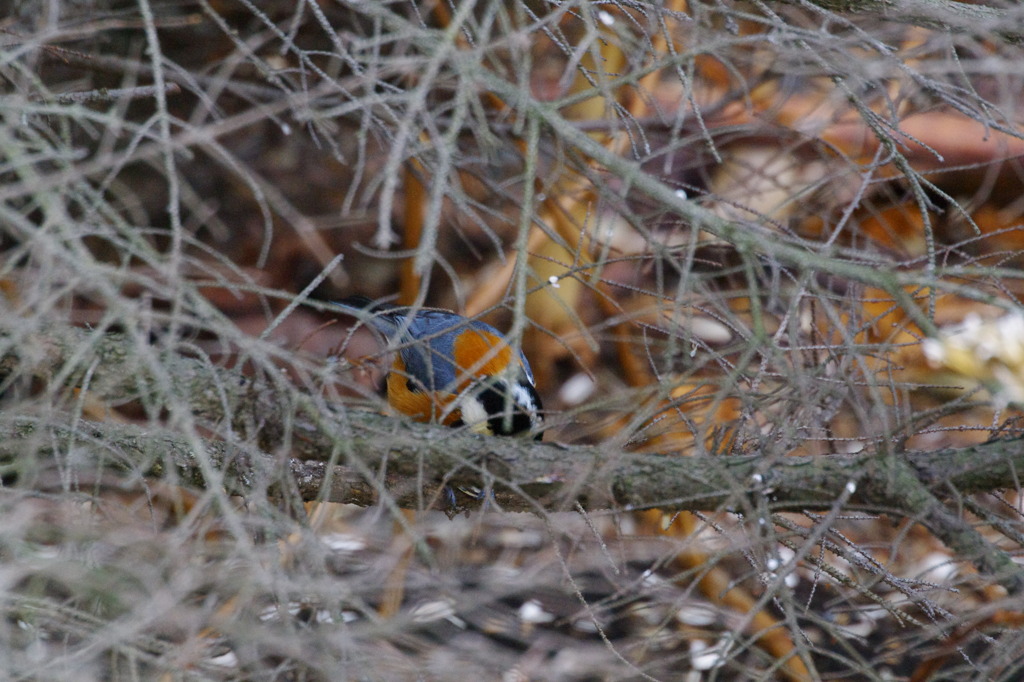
[(473, 413)]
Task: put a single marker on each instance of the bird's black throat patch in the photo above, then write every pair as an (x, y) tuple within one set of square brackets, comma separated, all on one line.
[(519, 420)]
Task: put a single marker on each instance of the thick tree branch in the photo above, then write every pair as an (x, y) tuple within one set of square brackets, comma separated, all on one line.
[(555, 476), (348, 456)]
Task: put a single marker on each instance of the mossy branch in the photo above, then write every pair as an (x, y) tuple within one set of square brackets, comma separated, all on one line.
[(339, 455)]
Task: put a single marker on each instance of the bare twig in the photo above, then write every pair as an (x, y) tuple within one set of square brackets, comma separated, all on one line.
[(110, 94)]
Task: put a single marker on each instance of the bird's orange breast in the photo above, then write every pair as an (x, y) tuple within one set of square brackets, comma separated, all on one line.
[(420, 405)]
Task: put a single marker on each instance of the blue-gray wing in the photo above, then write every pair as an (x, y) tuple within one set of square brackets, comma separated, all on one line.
[(425, 342)]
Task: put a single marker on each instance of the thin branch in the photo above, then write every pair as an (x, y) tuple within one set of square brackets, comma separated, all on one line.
[(110, 94), (941, 15)]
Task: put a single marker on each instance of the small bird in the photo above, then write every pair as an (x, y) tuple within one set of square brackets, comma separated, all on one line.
[(452, 370)]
